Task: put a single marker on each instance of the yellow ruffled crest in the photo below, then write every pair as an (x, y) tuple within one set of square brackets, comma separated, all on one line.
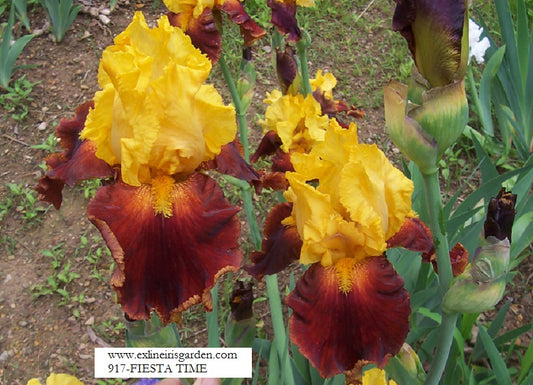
[(154, 115), (326, 82), (347, 198), (297, 120), (198, 6)]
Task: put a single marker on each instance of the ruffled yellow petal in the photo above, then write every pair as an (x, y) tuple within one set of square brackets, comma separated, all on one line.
[(376, 376), (347, 198), (298, 121), (154, 115), (181, 6), (324, 82)]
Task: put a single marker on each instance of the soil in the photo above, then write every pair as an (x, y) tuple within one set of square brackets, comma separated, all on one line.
[(39, 335)]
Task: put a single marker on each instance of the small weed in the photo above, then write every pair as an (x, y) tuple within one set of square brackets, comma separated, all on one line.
[(49, 145), (59, 278), (111, 328), (89, 187), (24, 200), (15, 99), (8, 242)]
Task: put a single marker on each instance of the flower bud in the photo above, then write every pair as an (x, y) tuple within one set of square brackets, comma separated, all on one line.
[(240, 325), (482, 284)]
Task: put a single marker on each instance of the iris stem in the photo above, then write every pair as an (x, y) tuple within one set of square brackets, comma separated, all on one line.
[(302, 45), (438, 230), (280, 337), (213, 335), (241, 114)]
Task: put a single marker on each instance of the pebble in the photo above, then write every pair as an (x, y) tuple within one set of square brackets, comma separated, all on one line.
[(23, 323), (4, 356), (104, 19), (105, 11), (42, 126), (7, 278)]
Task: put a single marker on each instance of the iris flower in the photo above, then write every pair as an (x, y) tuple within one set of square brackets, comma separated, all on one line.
[(295, 123), (153, 125), (345, 201), (284, 16), (57, 379), (198, 18)]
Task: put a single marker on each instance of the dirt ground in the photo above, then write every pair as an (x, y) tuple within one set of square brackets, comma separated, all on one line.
[(41, 335)]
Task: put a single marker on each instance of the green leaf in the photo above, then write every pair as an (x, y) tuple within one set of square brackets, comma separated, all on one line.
[(493, 329), (490, 71), (498, 365)]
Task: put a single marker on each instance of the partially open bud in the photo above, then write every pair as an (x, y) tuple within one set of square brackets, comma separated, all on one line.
[(240, 326), (437, 35), (500, 216)]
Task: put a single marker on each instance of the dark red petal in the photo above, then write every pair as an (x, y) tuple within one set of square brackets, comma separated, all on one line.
[(414, 235), (249, 28), (274, 180), (167, 264), (268, 146), (281, 161), (281, 245), (76, 162), (458, 259), (335, 330), (284, 18), (231, 162), (203, 33), (50, 190)]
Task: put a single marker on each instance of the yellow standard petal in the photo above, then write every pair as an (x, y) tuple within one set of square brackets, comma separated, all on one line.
[(376, 376), (154, 115), (297, 120)]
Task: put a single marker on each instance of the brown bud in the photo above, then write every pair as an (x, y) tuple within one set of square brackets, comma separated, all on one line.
[(500, 215)]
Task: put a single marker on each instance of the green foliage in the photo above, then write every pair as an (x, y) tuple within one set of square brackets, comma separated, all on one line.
[(61, 14), (10, 52), (49, 145), (15, 99), (507, 81), (24, 201), (59, 278)]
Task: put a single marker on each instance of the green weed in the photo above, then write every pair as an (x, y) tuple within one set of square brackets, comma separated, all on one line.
[(16, 98), (24, 200), (49, 145), (60, 276), (61, 14)]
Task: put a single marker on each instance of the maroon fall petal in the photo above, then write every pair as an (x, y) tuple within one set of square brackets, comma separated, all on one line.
[(167, 264), (249, 28), (203, 33), (231, 162), (414, 235), (284, 18), (335, 330), (268, 146), (281, 245), (75, 163)]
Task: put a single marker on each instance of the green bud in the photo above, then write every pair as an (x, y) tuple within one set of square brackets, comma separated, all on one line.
[(482, 284)]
